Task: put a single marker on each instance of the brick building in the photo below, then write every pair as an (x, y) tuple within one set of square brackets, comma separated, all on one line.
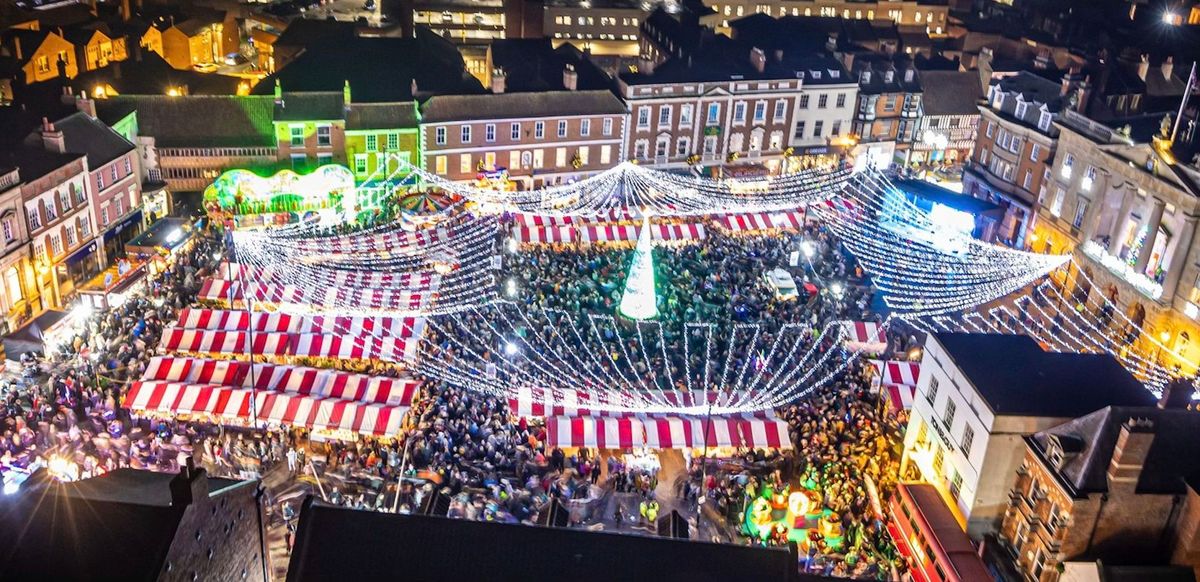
[(1014, 146), (114, 180), (889, 102), (538, 138), (135, 525), (16, 288), (1118, 484), (730, 103)]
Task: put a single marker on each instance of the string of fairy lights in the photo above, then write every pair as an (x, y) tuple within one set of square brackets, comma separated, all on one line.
[(933, 278)]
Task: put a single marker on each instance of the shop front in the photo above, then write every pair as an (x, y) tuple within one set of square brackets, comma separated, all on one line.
[(77, 269), (120, 233)]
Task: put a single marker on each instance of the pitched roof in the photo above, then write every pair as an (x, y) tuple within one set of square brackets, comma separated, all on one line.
[(304, 32), (34, 162), (1016, 377), (89, 136), (950, 92), (310, 106), (533, 64), (381, 116), (516, 105), (228, 121), (1172, 461), (378, 69), (331, 544), (146, 73)]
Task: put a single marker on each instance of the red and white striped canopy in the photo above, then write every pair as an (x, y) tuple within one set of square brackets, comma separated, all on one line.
[(330, 414), (762, 221), (274, 322), (900, 396), (319, 382), (668, 432), (601, 233), (331, 296), (387, 349), (412, 281), (540, 221), (227, 342), (865, 335), (544, 234), (538, 402), (898, 372), (181, 398), (398, 240)]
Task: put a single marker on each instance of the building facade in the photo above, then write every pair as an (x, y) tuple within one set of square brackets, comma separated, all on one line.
[(1130, 209), (914, 15), (1014, 146), (17, 288), (889, 103), (948, 118), (969, 417), (539, 139), (1109, 485)]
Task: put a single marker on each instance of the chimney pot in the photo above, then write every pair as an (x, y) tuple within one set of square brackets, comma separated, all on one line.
[(570, 78)]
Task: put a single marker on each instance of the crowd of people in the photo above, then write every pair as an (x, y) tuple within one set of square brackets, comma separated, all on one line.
[(465, 450)]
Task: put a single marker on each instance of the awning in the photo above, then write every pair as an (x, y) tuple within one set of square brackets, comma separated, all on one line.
[(82, 253), (411, 281), (318, 382), (900, 396), (128, 222), (330, 414), (374, 242), (667, 432), (236, 320), (866, 336), (182, 398), (544, 234), (762, 221), (898, 372), (328, 296), (629, 232)]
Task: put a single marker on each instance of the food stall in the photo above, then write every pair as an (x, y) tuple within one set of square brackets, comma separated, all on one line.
[(157, 247)]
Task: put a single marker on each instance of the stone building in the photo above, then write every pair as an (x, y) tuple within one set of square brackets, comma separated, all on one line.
[(1118, 484)]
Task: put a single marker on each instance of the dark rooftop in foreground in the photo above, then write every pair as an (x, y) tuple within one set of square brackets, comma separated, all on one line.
[(1016, 377), (337, 544), (519, 105), (34, 162), (89, 136), (229, 121)]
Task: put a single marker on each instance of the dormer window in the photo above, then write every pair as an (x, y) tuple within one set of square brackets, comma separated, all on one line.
[(889, 76), (865, 77), (1022, 108), (833, 74), (1044, 121), (816, 75)]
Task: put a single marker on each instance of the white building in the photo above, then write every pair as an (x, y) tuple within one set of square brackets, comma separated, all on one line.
[(824, 112), (979, 395)]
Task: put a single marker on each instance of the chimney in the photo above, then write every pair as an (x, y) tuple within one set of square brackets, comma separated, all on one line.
[(758, 59), (498, 79), (570, 78), (52, 138), (278, 93), (412, 88), (86, 105), (1129, 454), (779, 55), (17, 47), (1168, 68), (346, 96), (1143, 67), (831, 42), (126, 11)]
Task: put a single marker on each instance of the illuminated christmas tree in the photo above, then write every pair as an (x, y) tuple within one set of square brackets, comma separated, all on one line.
[(639, 299)]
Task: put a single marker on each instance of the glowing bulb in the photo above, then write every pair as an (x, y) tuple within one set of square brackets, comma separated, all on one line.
[(836, 288), (510, 349), (82, 311), (512, 245), (807, 248), (510, 288)]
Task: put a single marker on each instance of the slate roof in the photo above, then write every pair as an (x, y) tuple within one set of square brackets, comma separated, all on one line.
[(310, 106), (198, 120), (879, 66), (533, 64), (89, 136), (516, 105), (1016, 377), (34, 162), (336, 544), (304, 32), (378, 69), (950, 92), (1172, 461), (381, 116)]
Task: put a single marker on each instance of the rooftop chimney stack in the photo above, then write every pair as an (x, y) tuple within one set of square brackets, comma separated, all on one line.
[(570, 78), (86, 105), (498, 78), (1143, 67), (758, 59), (1129, 454), (1168, 68), (646, 64), (831, 42), (52, 138)]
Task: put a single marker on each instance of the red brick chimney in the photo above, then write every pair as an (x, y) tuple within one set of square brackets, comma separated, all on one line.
[(1133, 444), (52, 137)]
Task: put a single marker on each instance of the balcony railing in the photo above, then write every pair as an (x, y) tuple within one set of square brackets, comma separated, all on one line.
[(1117, 266)]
